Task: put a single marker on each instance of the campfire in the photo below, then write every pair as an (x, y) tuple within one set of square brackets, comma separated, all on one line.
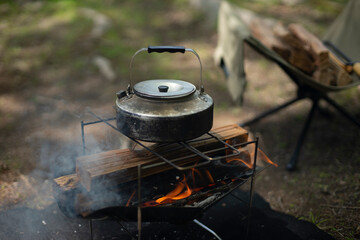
[(110, 180), (180, 167)]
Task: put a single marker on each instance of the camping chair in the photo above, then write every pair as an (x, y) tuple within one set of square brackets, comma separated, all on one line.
[(307, 88)]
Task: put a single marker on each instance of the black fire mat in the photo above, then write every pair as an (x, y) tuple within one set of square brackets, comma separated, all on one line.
[(225, 219)]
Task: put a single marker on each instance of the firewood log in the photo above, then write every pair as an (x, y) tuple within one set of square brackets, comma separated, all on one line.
[(318, 50), (302, 60), (283, 33), (65, 189), (262, 29), (333, 75), (300, 48), (120, 166), (310, 55)]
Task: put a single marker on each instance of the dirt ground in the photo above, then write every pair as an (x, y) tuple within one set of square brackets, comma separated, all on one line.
[(50, 77)]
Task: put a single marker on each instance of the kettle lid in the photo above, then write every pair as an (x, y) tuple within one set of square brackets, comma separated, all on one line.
[(164, 89)]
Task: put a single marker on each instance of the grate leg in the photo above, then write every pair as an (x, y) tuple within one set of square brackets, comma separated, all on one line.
[(91, 228), (139, 204), (83, 137), (207, 229), (252, 185)]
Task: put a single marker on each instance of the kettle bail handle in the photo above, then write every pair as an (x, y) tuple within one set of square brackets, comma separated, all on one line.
[(162, 49), (169, 49)]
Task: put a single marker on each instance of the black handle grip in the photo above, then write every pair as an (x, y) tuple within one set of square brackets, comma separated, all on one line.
[(170, 49)]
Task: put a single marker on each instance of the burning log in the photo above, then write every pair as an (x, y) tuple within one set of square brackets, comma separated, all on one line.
[(191, 189), (172, 188), (119, 166)]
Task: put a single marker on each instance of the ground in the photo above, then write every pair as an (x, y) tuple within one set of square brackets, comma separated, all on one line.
[(50, 77)]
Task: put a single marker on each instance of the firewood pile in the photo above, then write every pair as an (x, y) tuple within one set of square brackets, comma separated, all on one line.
[(302, 49), (109, 178)]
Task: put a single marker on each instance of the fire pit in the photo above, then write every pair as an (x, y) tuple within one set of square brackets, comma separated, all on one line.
[(210, 167), (176, 178)]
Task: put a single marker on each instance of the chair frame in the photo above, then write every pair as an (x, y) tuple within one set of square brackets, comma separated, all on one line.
[(307, 88)]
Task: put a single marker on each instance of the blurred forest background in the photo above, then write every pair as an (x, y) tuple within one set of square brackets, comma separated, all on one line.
[(60, 58)]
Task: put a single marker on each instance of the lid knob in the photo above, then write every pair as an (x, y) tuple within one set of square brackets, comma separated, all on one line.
[(163, 88)]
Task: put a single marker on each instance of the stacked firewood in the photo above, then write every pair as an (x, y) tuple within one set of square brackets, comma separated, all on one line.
[(95, 185), (302, 49)]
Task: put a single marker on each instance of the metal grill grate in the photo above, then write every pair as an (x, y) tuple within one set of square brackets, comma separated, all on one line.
[(206, 157)]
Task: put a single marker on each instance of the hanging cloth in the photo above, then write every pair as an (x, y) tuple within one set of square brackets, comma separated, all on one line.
[(232, 30)]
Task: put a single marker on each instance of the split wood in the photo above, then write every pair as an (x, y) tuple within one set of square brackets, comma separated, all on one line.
[(302, 49), (119, 166)]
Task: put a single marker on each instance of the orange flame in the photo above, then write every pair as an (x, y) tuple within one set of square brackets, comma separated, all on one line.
[(132, 195), (209, 176), (178, 193), (238, 160), (193, 171), (247, 156), (263, 157), (182, 189)]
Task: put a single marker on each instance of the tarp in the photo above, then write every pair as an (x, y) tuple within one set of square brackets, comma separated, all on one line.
[(344, 32)]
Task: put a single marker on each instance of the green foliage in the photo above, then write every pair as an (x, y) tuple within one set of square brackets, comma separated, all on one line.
[(314, 219), (324, 175)]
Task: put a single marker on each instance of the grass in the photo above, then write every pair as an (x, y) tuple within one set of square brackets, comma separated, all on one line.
[(316, 220)]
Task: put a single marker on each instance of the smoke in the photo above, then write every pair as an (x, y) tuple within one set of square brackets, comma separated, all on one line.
[(57, 142)]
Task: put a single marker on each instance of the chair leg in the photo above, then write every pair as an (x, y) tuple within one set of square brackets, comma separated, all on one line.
[(341, 110), (291, 166), (271, 111)]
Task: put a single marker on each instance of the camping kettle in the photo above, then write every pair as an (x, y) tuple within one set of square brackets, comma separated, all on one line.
[(164, 110)]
